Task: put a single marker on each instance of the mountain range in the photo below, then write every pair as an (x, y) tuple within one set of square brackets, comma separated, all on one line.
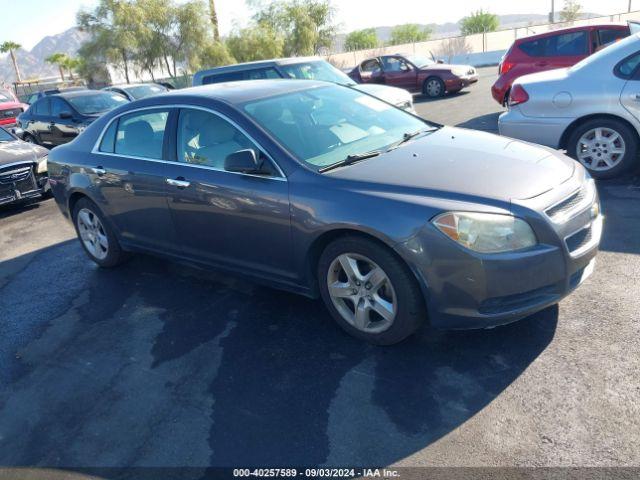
[(32, 62)]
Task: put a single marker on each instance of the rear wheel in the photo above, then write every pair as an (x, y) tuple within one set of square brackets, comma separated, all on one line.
[(370, 293), (433, 87), (606, 147), (96, 236)]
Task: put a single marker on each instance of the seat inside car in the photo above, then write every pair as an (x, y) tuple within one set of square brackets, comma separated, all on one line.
[(139, 140)]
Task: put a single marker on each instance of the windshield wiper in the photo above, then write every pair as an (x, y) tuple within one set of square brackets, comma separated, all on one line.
[(408, 136), (351, 159)]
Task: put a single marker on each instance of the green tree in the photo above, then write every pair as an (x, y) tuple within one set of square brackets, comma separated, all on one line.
[(479, 22), (571, 11), (255, 43), (409, 33), (70, 64), (57, 59), (361, 40), (306, 26), (214, 54), (111, 26), (11, 47)]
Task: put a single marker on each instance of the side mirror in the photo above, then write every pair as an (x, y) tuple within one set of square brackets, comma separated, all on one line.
[(245, 161), (65, 114), (440, 61)]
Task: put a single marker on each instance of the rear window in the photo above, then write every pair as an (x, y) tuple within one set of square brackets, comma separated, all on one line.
[(628, 66), (564, 45)]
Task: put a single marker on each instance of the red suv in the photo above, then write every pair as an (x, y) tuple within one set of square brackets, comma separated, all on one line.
[(10, 108), (556, 49)]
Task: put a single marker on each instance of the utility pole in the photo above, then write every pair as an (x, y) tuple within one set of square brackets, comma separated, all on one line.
[(552, 13), (629, 6)]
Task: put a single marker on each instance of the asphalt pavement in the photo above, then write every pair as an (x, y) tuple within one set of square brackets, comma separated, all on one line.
[(158, 364)]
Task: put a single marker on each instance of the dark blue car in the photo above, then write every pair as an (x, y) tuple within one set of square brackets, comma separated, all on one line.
[(329, 192)]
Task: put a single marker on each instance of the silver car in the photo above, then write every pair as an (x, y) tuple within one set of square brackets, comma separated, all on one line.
[(592, 110)]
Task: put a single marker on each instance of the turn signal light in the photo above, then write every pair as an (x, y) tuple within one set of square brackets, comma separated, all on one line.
[(518, 95), (506, 66)]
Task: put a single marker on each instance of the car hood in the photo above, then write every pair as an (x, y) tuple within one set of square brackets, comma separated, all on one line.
[(19, 151), (12, 105), (393, 95), (465, 162), (446, 66)]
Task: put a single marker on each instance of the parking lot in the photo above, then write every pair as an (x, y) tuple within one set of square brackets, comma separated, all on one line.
[(158, 364)]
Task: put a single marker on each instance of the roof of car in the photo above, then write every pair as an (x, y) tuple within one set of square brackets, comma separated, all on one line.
[(129, 85), (246, 90), (76, 93), (569, 29), (258, 64)]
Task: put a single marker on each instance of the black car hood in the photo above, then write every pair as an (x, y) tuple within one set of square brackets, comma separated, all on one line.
[(466, 162), (19, 151)]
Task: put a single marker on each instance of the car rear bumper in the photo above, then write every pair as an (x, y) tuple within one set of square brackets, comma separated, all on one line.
[(544, 131), (469, 290)]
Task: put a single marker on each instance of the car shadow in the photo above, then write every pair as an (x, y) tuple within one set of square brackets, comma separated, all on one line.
[(160, 364), (10, 210), (485, 123), (422, 98)]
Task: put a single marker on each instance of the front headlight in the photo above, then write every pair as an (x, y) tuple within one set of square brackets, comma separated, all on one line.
[(42, 164), (486, 232), (459, 72)]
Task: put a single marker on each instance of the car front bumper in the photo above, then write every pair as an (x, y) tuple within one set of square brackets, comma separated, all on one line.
[(542, 130), (459, 83), (469, 290)]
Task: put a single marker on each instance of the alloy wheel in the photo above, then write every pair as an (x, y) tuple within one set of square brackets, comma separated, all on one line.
[(362, 293), (600, 149), (92, 234)]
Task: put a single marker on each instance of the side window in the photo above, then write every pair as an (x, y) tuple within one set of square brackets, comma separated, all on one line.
[(370, 66), (607, 36), (141, 134), (567, 45), (262, 74), (207, 139), (58, 106), (109, 138), (394, 64), (41, 107), (628, 66), (223, 77)]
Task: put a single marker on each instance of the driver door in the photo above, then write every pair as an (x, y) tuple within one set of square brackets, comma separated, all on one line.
[(234, 220), (399, 73), (371, 71)]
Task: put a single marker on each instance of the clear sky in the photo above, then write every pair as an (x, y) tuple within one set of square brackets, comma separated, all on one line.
[(27, 21)]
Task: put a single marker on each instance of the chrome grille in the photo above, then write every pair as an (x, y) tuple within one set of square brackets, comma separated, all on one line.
[(15, 174), (573, 204)]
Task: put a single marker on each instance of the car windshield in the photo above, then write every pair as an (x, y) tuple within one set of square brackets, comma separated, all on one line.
[(5, 97), (325, 125), (5, 137), (419, 61), (141, 91), (98, 102), (319, 70)]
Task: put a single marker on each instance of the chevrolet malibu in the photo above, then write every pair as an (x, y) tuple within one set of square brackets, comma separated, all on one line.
[(329, 192)]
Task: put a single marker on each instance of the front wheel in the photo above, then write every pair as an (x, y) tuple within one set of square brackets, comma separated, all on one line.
[(96, 236), (433, 87), (606, 147), (369, 292)]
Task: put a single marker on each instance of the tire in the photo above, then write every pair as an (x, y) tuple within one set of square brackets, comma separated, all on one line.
[(598, 156), (393, 290), (105, 249), (433, 87), (30, 139)]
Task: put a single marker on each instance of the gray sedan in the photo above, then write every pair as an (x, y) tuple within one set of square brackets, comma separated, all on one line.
[(329, 192), (591, 109)]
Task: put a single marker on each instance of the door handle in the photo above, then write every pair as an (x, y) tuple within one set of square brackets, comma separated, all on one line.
[(99, 171), (178, 182)]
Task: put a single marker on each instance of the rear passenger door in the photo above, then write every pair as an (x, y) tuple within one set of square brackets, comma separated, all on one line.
[(234, 220), (129, 170)]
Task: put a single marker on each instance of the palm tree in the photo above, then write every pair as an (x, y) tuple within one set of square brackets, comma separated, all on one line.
[(214, 20), (58, 59), (11, 47), (71, 64)]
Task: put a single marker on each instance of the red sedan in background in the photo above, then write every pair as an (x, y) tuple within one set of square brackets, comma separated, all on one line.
[(10, 108), (550, 50), (415, 73)]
